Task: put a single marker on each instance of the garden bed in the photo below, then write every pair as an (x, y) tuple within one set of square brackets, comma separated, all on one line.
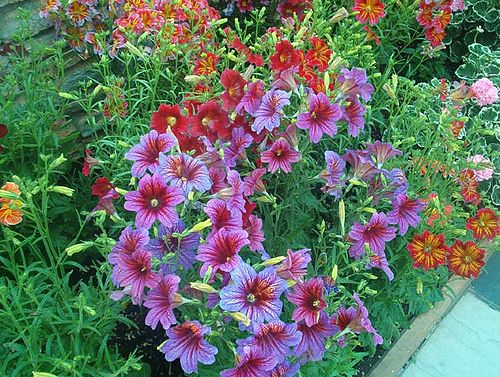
[(229, 189)]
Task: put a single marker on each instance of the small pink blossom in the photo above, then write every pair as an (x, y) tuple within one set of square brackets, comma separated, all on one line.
[(484, 91)]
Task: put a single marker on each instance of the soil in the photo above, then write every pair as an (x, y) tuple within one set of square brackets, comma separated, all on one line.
[(145, 340), (366, 365)]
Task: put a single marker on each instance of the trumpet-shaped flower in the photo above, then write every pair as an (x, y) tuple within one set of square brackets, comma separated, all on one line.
[(308, 298), (268, 115), (280, 156), (161, 302), (321, 117)]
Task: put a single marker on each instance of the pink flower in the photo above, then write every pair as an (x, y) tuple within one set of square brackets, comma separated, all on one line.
[(222, 217), (253, 182), (483, 167), (255, 233), (268, 116), (321, 117), (250, 102), (308, 297), (135, 270), (375, 233), (280, 156), (484, 91), (294, 267), (161, 302)]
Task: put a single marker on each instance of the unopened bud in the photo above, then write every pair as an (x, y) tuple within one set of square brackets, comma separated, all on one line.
[(200, 226), (339, 15), (70, 250), (240, 317), (202, 287), (62, 190), (273, 261)]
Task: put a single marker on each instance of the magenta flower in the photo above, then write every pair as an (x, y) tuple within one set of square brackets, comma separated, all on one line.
[(380, 262), (362, 166), (273, 338), (146, 154), (405, 212), (183, 248), (185, 172), (252, 98), (335, 167), (239, 142), (312, 344), (154, 200), (221, 217), (285, 369), (375, 233), (382, 152), (280, 156), (268, 115), (187, 342), (221, 251), (286, 80), (356, 319), (106, 203), (251, 362), (308, 298), (234, 194), (257, 295), (255, 233), (321, 117), (484, 92), (254, 182), (161, 302), (355, 82), (218, 178), (294, 267), (354, 115), (130, 240), (135, 270)]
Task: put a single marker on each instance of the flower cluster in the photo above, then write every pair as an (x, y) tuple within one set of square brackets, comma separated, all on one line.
[(434, 16)]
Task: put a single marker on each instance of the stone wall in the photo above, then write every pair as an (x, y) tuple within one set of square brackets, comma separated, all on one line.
[(41, 29)]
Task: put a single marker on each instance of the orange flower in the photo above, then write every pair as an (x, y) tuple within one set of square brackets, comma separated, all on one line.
[(319, 55), (456, 127), (369, 10), (465, 259), (427, 250), (207, 64), (9, 211), (484, 224)]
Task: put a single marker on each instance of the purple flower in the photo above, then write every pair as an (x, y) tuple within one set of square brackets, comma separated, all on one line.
[(185, 172), (354, 115), (130, 240), (380, 261), (257, 295), (356, 319), (268, 115), (251, 362), (362, 166), (308, 298), (294, 267), (280, 156), (184, 248), (355, 82), (273, 338), (239, 142), (154, 200), (161, 302), (221, 217), (375, 233), (135, 270), (285, 369), (252, 98), (382, 152), (187, 342), (286, 80), (234, 194), (254, 182), (399, 184), (146, 154), (405, 212), (321, 117), (312, 344), (255, 233), (335, 167), (221, 251)]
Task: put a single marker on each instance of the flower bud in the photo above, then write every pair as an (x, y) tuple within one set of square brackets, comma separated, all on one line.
[(43, 374), (62, 190), (240, 317), (342, 216), (70, 250), (335, 272), (67, 95), (273, 261), (202, 287), (339, 15), (200, 226)]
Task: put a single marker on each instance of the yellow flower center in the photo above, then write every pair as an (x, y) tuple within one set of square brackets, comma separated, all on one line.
[(467, 259), (154, 203), (251, 297), (316, 303), (171, 120)]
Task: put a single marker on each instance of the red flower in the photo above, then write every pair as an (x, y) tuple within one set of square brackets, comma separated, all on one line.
[(234, 84), (88, 163), (211, 121), (470, 195), (3, 130), (456, 127), (442, 20), (287, 8), (369, 10), (435, 36), (428, 250), (102, 186), (465, 259), (370, 35), (284, 57), (484, 224), (319, 55), (169, 116), (206, 65), (424, 15)]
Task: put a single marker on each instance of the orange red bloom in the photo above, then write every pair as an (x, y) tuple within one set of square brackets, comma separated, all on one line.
[(465, 259), (369, 10), (428, 250), (319, 55), (10, 213), (206, 65), (484, 224)]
